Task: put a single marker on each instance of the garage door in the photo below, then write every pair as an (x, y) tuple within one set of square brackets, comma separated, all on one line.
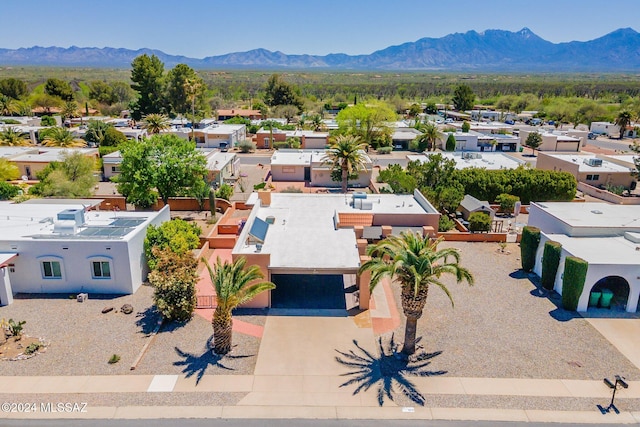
[(310, 291)]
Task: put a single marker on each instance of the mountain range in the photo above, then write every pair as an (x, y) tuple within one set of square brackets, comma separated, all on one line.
[(491, 50)]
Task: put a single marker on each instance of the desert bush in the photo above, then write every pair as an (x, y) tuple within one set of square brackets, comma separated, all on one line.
[(479, 221), (246, 146), (445, 224)]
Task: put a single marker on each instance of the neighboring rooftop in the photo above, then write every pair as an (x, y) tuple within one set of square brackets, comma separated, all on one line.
[(582, 159), (486, 160), (601, 250), (591, 215), (26, 222)]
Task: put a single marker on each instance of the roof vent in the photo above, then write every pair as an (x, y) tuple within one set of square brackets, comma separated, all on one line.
[(593, 161), (597, 212), (270, 220)]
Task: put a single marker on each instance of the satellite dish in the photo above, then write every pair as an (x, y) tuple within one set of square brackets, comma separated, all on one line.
[(25, 178)]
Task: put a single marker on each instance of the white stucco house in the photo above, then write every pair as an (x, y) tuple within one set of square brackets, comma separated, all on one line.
[(67, 248), (606, 236), (486, 160)]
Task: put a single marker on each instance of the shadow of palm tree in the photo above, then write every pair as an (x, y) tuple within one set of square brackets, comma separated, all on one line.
[(387, 371), (198, 365)]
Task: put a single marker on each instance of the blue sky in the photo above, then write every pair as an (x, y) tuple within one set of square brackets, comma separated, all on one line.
[(199, 28)]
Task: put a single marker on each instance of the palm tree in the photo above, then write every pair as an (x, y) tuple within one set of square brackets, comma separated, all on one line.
[(430, 134), (623, 120), (8, 106), (415, 263), (316, 122), (347, 154), (155, 123), (69, 110), (233, 285), (11, 137), (61, 137)]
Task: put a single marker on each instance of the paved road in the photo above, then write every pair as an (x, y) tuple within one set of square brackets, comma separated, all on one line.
[(610, 144), (278, 423)]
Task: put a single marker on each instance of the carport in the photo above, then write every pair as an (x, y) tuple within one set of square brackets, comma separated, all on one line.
[(308, 291)]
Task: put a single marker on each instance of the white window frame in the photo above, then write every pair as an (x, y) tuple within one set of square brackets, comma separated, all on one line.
[(51, 260), (101, 259)]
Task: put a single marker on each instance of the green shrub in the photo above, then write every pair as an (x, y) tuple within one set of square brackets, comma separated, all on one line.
[(47, 121), (280, 144), (11, 122), (550, 262), (107, 149), (8, 191), (479, 221), (466, 126), (528, 247), (174, 282), (178, 235), (224, 192), (114, 359), (291, 189), (260, 186), (385, 150), (246, 146), (445, 224), (451, 143), (575, 273), (15, 328), (32, 348), (507, 202)]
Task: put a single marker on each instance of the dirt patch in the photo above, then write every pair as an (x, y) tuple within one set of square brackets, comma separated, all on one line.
[(21, 348)]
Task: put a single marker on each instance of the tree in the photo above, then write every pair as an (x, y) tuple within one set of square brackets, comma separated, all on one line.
[(466, 126), (155, 123), (8, 190), (8, 171), (279, 92), (450, 145), (174, 281), (47, 121), (346, 154), (58, 88), (69, 110), (46, 102), (161, 166), (479, 221), (102, 92), (103, 134), (234, 284), (414, 110), (148, 80), (367, 121), (507, 202), (623, 120), (177, 235), (427, 141), (72, 177), (61, 137), (414, 263), (184, 88), (11, 137), (463, 98), (8, 106), (286, 111), (534, 139), (13, 88)]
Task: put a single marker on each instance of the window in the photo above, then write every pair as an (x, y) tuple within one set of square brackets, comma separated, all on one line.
[(595, 177), (100, 270), (266, 142), (51, 270)]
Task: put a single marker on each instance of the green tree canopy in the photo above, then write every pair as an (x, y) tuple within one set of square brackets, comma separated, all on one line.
[(163, 165), (533, 141), (13, 88), (176, 235), (102, 92), (147, 75), (623, 120), (184, 86), (279, 92), (72, 177), (347, 155), (8, 171), (58, 88), (463, 98), (369, 121)]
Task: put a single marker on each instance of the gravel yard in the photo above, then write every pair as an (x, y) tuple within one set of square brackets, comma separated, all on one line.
[(82, 339), (502, 327)]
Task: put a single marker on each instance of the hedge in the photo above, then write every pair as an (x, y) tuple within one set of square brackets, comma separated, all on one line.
[(528, 247), (575, 273), (550, 262), (450, 145)]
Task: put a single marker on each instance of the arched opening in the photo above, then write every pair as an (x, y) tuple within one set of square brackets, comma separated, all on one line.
[(616, 285)]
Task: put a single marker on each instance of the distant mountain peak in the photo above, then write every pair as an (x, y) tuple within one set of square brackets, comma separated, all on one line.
[(489, 50)]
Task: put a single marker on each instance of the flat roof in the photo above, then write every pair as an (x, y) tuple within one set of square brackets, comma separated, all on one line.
[(20, 222), (303, 233), (476, 159), (600, 250), (625, 158), (593, 214), (579, 159), (10, 152), (216, 160), (49, 154), (293, 157)]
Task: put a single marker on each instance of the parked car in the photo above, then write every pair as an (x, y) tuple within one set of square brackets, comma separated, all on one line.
[(509, 122), (592, 135)]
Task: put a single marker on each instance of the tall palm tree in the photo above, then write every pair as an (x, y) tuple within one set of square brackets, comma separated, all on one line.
[(235, 284), (317, 123), (415, 263), (69, 110), (430, 134), (623, 120), (11, 137), (155, 123), (61, 137), (347, 154)]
